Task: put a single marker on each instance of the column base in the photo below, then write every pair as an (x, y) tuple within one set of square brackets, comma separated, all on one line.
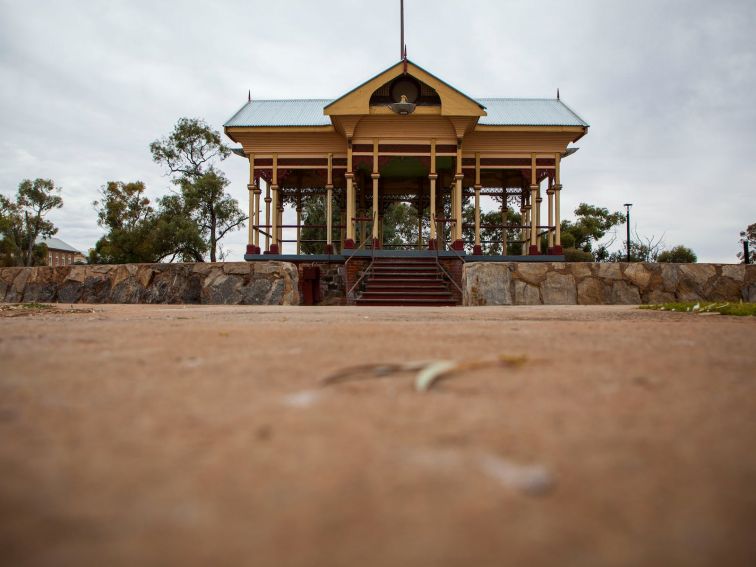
[(556, 251), (458, 245), (533, 250), (329, 249), (252, 249), (432, 244), (348, 244), (478, 250), (273, 249), (376, 244)]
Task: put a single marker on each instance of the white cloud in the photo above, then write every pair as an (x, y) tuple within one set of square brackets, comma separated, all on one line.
[(666, 86)]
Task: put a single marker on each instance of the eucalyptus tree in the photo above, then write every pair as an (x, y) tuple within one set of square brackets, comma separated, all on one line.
[(191, 154)]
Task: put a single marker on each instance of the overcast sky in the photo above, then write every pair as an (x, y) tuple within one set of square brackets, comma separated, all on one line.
[(668, 87)]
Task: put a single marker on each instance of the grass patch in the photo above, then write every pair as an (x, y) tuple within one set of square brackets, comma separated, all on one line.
[(35, 305), (34, 308), (723, 307)]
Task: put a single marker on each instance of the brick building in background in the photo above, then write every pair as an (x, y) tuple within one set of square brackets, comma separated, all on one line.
[(61, 254)]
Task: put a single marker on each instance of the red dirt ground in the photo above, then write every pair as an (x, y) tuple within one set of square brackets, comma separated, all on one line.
[(172, 435)]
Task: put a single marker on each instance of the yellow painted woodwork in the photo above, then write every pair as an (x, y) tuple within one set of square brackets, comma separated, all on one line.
[(357, 101), (516, 142), (404, 127)]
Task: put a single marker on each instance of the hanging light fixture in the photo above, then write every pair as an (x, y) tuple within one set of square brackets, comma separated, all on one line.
[(403, 107)]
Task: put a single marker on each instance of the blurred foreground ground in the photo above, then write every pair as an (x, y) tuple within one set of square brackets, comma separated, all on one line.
[(172, 435)]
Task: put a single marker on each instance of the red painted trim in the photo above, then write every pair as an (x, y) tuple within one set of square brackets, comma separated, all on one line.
[(533, 250), (477, 250), (458, 245), (349, 243)]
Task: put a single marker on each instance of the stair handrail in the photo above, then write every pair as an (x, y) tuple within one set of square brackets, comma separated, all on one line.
[(350, 293), (447, 274)]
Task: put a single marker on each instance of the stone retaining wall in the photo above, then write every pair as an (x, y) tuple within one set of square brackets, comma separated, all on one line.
[(567, 283), (248, 283)]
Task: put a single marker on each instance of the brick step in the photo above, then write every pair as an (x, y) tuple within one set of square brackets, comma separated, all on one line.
[(405, 303), (402, 295), (372, 286), (404, 263), (395, 268), (405, 275)]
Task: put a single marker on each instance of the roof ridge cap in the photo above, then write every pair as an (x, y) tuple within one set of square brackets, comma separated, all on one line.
[(515, 98), (288, 100)]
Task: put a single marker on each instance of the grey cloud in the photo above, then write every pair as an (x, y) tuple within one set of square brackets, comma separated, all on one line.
[(666, 85)]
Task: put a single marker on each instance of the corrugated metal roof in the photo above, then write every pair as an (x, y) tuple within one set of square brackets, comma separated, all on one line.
[(56, 244), (305, 112), (528, 112), (501, 112)]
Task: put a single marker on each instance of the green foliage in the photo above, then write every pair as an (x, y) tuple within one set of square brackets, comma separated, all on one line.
[(23, 222), (725, 308), (577, 255), (678, 255), (314, 221), (748, 235), (190, 153), (139, 233), (190, 150), (214, 211), (400, 225), (491, 237), (591, 225)]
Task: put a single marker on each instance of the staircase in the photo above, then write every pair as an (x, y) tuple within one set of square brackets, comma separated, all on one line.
[(406, 281)]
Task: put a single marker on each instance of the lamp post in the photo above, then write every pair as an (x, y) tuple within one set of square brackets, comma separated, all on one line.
[(627, 208)]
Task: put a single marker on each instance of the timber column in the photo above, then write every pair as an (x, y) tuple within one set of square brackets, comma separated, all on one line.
[(257, 218), (504, 221), (329, 207), (273, 248), (557, 250), (550, 197), (458, 244), (477, 249), (349, 175), (533, 250), (375, 176), (432, 177), (268, 202), (254, 193), (299, 222), (523, 234)]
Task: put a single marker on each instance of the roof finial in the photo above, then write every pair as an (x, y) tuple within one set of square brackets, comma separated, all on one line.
[(249, 96), (402, 47), (557, 93)]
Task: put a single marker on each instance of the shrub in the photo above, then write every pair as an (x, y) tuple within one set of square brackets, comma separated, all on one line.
[(576, 255), (678, 255)]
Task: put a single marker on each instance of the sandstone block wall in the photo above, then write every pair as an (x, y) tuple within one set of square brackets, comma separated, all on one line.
[(242, 283), (563, 283)]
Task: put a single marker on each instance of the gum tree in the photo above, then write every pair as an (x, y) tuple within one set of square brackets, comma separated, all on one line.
[(23, 221), (190, 154)]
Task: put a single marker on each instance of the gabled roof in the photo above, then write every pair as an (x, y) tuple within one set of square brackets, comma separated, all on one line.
[(57, 244), (528, 112), (395, 70), (304, 112), (453, 101), (501, 112)]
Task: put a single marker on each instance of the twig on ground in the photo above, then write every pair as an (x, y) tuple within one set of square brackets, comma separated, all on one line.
[(429, 372)]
